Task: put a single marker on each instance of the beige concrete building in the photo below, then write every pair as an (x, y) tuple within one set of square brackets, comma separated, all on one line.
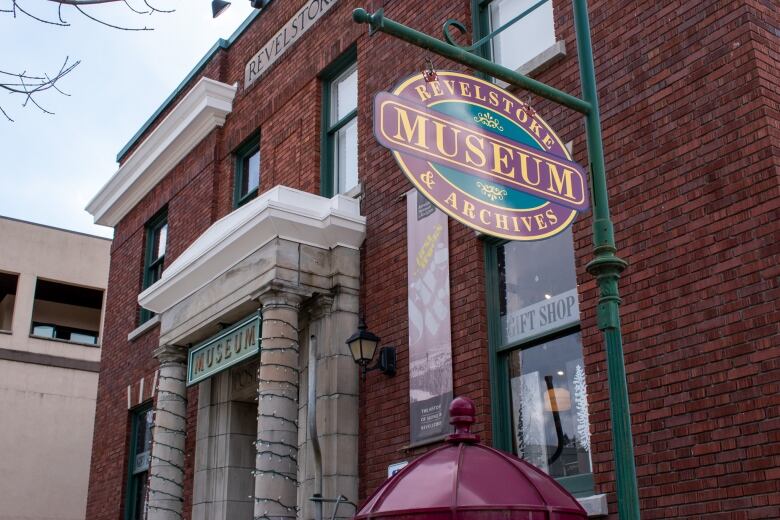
[(52, 288)]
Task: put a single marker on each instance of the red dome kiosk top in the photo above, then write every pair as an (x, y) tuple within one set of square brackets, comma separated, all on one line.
[(466, 480)]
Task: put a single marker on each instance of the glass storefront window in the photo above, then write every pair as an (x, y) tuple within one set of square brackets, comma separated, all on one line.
[(550, 407), (544, 406), (537, 288)]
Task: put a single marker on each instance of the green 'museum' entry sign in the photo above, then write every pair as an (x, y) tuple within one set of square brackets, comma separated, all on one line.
[(230, 346), (481, 155)]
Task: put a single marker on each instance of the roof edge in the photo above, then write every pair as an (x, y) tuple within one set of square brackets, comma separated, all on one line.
[(55, 228), (220, 44)]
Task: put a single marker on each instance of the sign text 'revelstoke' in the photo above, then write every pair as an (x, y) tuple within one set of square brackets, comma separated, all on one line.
[(285, 38)]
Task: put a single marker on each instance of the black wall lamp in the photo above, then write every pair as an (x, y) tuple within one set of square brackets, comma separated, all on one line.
[(362, 345)]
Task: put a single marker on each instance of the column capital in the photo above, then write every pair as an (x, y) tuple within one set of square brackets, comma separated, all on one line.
[(319, 306), (281, 294), (170, 354)]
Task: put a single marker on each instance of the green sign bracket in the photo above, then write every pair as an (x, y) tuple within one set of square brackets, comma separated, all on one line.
[(606, 266)]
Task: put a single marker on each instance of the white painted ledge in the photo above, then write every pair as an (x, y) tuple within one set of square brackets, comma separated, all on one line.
[(143, 328), (539, 62), (278, 213), (595, 505), (202, 109)]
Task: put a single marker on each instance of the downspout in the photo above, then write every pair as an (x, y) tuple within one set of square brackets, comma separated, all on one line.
[(311, 416)]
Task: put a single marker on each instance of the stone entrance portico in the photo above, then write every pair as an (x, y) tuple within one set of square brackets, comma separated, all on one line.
[(294, 257)]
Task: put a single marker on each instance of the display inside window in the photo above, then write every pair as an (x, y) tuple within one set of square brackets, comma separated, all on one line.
[(550, 407), (343, 130), (541, 350), (537, 288), (526, 38)]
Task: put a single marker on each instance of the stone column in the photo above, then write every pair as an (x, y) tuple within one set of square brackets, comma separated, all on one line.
[(166, 467), (277, 408), (332, 319)]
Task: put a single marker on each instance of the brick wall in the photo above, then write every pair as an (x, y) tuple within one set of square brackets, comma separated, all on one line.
[(689, 96), (689, 110), (384, 402)]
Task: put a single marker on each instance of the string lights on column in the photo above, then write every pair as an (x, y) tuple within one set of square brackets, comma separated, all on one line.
[(166, 462), (278, 374)]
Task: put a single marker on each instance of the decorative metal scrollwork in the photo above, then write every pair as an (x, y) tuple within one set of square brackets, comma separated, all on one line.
[(491, 192), (489, 121)]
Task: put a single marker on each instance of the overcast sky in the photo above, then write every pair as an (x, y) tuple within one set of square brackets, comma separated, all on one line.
[(52, 165)]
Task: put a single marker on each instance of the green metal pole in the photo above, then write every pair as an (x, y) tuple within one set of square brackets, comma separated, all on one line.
[(606, 267)]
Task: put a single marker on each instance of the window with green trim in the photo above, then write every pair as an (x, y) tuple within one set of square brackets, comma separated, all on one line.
[(247, 173), (139, 455), (154, 255), (538, 361), (340, 137), (525, 39)]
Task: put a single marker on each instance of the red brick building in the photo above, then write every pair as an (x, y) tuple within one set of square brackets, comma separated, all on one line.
[(258, 186)]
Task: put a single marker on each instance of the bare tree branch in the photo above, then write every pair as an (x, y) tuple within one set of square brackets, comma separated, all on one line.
[(157, 9), (19, 8), (29, 86), (144, 28), (136, 11)]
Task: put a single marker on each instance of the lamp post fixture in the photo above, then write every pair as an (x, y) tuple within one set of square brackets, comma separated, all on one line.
[(362, 345)]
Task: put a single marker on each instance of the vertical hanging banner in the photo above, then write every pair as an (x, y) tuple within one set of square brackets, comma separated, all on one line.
[(430, 348)]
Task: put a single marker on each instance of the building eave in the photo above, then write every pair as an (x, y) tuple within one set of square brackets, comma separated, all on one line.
[(202, 109), (281, 212)]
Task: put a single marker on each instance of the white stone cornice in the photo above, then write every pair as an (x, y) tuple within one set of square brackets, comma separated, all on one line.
[(278, 213), (201, 110)]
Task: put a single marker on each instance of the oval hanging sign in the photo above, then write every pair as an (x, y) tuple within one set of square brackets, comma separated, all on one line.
[(481, 155)]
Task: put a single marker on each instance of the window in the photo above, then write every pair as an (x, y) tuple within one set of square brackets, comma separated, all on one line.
[(524, 40), (340, 157), (247, 172), (154, 260), (536, 347), (50, 330), (140, 454), (66, 312), (8, 283)]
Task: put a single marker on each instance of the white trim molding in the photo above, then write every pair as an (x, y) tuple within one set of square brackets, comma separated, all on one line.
[(540, 62), (202, 109), (281, 212), (143, 328), (595, 505)]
